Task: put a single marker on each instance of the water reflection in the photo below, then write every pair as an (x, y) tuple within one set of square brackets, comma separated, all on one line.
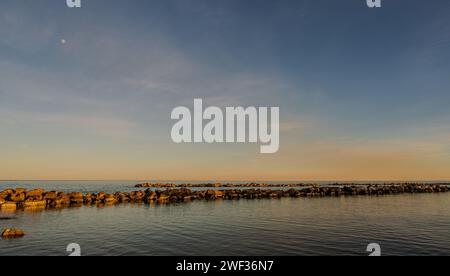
[(401, 224)]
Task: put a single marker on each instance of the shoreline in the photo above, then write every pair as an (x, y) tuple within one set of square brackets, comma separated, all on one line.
[(38, 199)]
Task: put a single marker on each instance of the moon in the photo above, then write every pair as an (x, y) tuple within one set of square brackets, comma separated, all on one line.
[(63, 41)]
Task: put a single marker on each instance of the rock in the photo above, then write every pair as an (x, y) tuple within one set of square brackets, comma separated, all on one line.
[(163, 198), (59, 202), (8, 206), (75, 195), (6, 193), (76, 198), (20, 190), (50, 195), (122, 197), (213, 194), (35, 194), (150, 197), (88, 198), (17, 197), (35, 204), (137, 196), (155, 185), (12, 233), (110, 199), (293, 193), (101, 196)]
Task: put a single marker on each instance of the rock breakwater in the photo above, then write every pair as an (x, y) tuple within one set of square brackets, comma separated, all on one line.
[(218, 185), (17, 199)]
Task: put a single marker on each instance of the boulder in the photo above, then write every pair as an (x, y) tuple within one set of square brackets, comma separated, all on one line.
[(218, 194), (35, 204), (35, 194), (122, 197), (17, 197), (20, 190), (150, 197), (201, 194), (137, 196), (213, 194), (88, 198), (75, 195), (60, 202), (163, 198), (50, 195), (6, 192), (140, 194), (76, 198), (8, 206), (110, 199), (12, 233), (101, 196)]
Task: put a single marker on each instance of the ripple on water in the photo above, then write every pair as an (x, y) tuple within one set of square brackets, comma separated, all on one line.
[(403, 225)]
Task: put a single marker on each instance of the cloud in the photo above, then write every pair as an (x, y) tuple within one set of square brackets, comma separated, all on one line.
[(21, 32)]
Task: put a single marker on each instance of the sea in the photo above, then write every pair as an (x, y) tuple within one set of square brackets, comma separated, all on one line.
[(401, 225)]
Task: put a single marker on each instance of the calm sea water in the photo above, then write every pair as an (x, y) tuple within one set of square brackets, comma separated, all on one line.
[(401, 224)]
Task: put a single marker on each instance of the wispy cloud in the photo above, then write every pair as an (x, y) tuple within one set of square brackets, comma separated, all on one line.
[(354, 103)]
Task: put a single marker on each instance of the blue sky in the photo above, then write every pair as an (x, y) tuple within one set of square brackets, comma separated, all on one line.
[(363, 92)]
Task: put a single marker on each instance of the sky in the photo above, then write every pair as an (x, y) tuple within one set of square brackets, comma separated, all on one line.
[(88, 93)]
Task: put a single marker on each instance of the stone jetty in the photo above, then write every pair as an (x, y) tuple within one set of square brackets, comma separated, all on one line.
[(218, 185), (38, 199)]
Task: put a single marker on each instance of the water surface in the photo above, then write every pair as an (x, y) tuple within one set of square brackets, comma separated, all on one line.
[(401, 224)]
